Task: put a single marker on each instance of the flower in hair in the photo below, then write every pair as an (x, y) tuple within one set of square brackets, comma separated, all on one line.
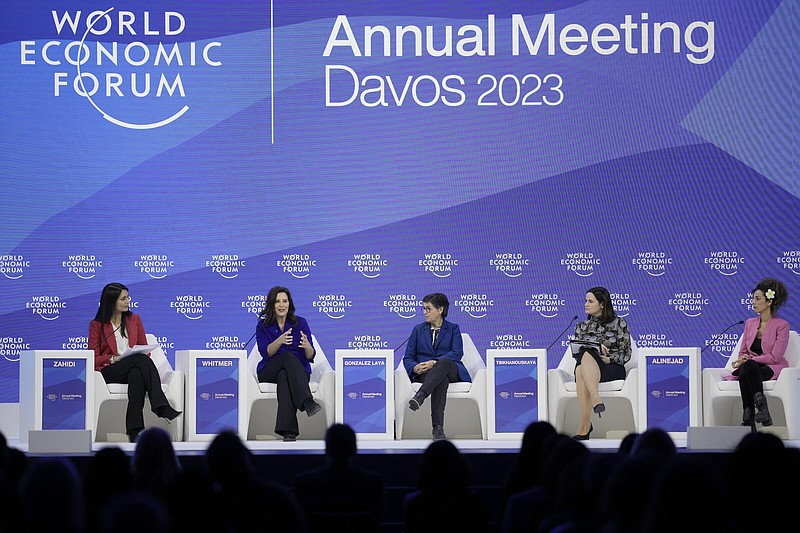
[(770, 294)]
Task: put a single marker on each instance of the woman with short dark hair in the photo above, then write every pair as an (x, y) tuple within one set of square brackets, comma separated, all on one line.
[(433, 358)]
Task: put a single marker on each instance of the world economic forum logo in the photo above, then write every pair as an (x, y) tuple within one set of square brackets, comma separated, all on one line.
[(226, 265), (722, 343), (75, 343), (298, 265), (368, 265), (652, 263), (367, 342), (155, 266), (582, 264), (47, 306), (509, 340), (10, 347), (333, 305), (254, 303), (165, 343), (623, 303), (13, 266), (83, 266), (726, 262), (547, 304), (747, 302), (440, 265), (653, 340), (223, 342), (690, 304), (190, 305), (510, 264), (106, 72), (789, 260), (475, 305), (404, 305)]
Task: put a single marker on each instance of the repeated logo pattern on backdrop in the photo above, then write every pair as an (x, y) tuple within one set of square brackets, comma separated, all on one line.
[(510, 156)]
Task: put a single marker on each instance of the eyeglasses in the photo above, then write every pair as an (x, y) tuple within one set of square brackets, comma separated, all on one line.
[(427, 307)]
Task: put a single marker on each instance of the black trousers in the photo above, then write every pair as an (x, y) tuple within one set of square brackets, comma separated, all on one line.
[(435, 383), (752, 376), (285, 370), (141, 375)]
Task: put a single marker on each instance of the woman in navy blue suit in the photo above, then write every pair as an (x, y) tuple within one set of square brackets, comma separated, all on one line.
[(433, 358)]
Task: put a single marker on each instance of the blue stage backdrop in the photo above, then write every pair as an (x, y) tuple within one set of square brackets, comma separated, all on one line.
[(509, 154)]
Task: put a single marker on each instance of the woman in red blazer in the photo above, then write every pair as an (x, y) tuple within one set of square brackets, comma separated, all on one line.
[(761, 355), (114, 329)]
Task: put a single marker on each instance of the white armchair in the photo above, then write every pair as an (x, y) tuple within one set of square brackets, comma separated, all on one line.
[(262, 399), (722, 404), (111, 401), (620, 397), (465, 414)]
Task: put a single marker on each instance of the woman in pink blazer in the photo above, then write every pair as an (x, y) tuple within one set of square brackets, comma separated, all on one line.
[(761, 356), (114, 329)]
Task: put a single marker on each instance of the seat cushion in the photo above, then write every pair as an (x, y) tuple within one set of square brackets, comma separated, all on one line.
[(122, 388), (608, 386), (733, 386), (459, 386), (273, 388)]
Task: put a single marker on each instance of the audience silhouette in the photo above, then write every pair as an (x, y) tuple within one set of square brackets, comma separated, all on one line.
[(443, 501), (250, 503), (555, 485), (155, 464), (340, 495), (527, 469)]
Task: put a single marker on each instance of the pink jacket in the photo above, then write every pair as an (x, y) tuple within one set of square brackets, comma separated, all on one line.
[(773, 342)]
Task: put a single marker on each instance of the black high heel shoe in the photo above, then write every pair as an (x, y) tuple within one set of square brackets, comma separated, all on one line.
[(599, 408), (168, 412), (586, 436)]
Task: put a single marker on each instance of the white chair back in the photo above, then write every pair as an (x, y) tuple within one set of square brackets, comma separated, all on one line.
[(472, 358), (159, 357), (792, 354)]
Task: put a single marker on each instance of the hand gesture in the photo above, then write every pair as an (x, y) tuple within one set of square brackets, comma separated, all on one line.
[(304, 343), (287, 338)]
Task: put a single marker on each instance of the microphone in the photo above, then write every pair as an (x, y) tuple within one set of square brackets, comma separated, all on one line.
[(261, 324), (413, 332), (714, 339), (565, 330)]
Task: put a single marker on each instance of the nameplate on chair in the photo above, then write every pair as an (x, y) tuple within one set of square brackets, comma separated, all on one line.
[(60, 441), (715, 438)]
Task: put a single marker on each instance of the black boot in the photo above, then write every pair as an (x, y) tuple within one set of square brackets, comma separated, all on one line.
[(415, 402), (438, 432), (747, 416), (762, 410)]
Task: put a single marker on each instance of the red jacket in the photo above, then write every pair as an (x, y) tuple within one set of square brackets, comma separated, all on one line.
[(104, 342)]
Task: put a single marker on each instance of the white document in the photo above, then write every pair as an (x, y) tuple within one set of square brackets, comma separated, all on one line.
[(139, 348)]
